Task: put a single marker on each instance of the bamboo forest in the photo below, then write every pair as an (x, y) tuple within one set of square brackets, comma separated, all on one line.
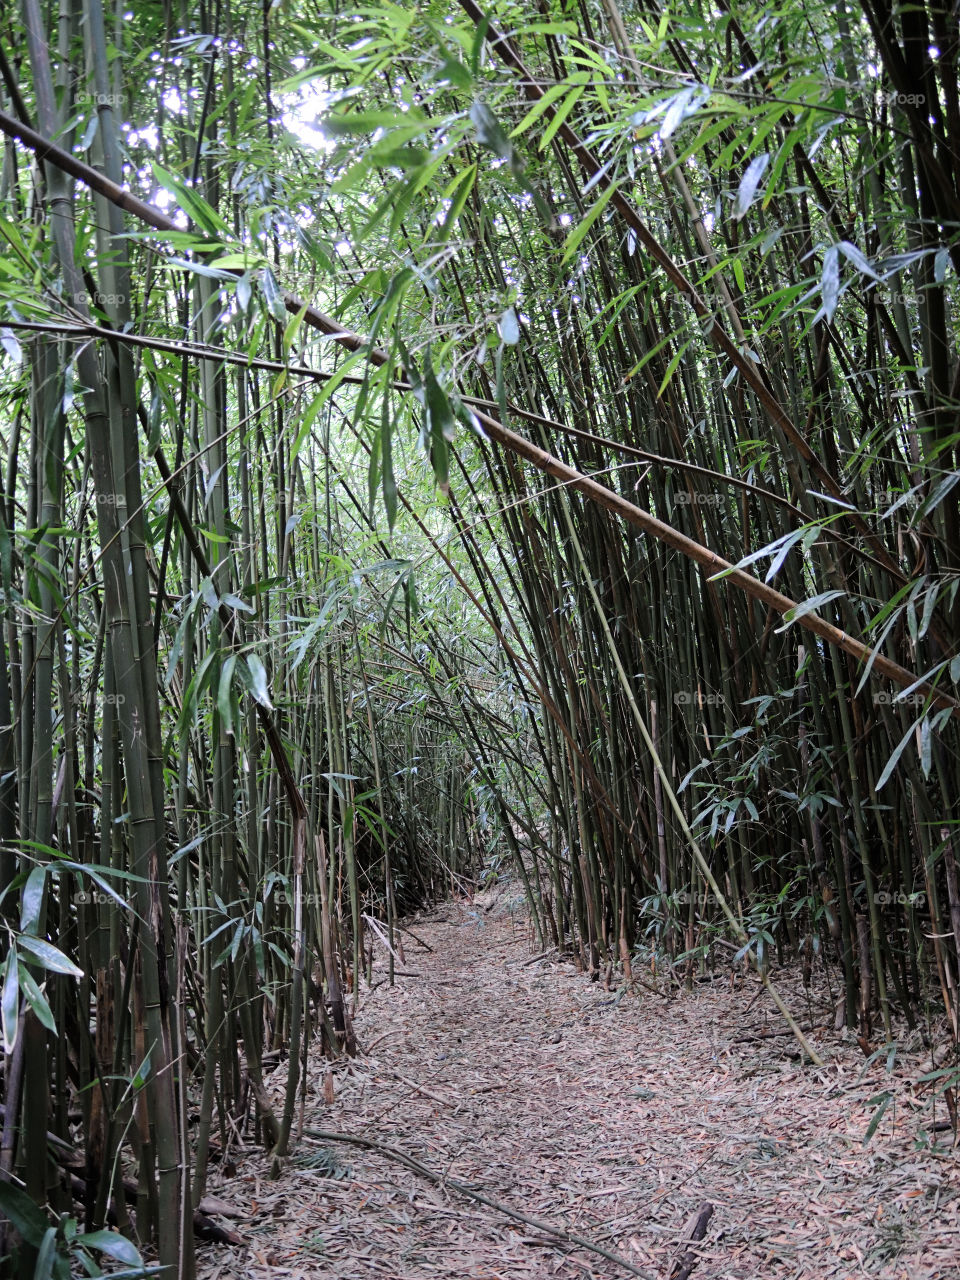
[(480, 648)]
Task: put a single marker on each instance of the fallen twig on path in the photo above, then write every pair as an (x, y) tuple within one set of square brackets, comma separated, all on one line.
[(434, 1097), (440, 1180), (410, 973), (649, 986), (696, 1231), (402, 928)]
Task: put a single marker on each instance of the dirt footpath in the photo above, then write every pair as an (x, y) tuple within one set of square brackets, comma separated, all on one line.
[(616, 1119)]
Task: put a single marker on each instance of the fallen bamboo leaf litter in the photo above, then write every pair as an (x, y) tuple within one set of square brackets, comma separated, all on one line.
[(634, 1121)]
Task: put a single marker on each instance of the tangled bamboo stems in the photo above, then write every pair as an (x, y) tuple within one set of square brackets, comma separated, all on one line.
[(689, 286)]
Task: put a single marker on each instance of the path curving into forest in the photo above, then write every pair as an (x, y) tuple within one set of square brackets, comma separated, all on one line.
[(614, 1120)]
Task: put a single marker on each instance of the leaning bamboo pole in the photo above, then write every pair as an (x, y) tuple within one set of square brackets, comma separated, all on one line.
[(708, 560)]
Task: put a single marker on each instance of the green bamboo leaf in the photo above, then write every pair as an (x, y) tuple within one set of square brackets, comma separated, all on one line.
[(808, 606), (11, 346), (389, 480), (561, 114), (317, 403), (884, 1100), (49, 956), (785, 153), (877, 647), (245, 262), (199, 269), (37, 1001), (853, 254), (93, 124), (891, 764), (440, 426), (25, 1214), (748, 185), (776, 564), (32, 899), (830, 282), (10, 1001), (350, 124), (951, 1074), (671, 368), (926, 746), (192, 203), (399, 585), (259, 685), (540, 106), (930, 504), (576, 236), (489, 132), (509, 327), (142, 1073), (463, 186), (290, 332), (771, 550), (236, 603), (677, 111), (113, 1245), (225, 694), (272, 295), (46, 1256)]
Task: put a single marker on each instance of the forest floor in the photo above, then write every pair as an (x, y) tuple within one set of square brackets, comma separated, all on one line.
[(615, 1120)]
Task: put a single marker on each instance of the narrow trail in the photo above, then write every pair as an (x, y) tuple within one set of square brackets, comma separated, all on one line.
[(613, 1119)]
